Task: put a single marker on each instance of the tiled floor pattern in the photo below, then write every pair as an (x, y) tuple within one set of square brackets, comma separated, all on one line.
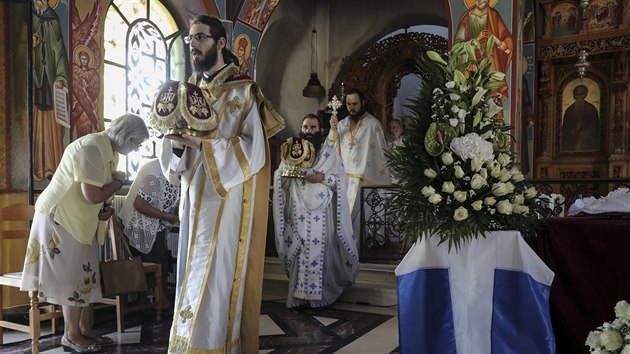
[(340, 328)]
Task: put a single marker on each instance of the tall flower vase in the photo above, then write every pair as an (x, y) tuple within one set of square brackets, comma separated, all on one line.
[(491, 296)]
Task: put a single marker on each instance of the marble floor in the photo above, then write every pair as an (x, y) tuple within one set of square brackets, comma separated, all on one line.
[(339, 328)]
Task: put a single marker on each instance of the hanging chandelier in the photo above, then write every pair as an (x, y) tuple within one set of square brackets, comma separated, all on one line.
[(313, 88), (582, 64)]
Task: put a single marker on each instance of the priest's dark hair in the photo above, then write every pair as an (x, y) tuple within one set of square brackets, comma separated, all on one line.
[(356, 91), (217, 31), (311, 115)]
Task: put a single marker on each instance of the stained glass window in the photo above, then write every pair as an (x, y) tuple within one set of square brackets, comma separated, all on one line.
[(143, 49)]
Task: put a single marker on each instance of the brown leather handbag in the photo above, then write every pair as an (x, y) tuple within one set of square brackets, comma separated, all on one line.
[(121, 276)]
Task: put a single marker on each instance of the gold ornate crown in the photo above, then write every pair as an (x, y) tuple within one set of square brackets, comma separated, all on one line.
[(299, 155), (183, 108)]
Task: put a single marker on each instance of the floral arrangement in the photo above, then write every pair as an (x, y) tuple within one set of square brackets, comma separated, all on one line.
[(612, 337), (457, 178)]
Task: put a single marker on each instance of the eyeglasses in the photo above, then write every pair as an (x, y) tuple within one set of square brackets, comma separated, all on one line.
[(197, 36), (136, 146)]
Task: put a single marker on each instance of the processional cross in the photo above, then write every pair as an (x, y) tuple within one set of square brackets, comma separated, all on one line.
[(334, 104)]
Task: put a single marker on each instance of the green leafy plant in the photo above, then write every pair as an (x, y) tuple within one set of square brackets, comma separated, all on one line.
[(457, 178)]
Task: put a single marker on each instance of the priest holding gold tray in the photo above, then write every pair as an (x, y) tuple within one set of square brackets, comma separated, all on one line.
[(313, 228)]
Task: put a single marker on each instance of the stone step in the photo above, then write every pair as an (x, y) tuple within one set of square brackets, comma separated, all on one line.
[(375, 284)]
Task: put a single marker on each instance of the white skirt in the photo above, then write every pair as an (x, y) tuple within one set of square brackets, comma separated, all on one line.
[(63, 270)]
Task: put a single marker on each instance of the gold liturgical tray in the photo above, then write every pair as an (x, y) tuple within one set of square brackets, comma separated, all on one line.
[(298, 154)]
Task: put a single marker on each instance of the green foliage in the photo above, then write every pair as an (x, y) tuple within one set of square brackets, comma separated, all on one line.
[(454, 168)]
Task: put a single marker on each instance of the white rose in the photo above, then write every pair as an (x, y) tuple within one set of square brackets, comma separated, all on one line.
[(622, 310), (454, 97), (517, 175), (530, 192), (626, 350), (505, 207), (499, 189), (429, 172), (459, 172), (593, 339), (435, 198), (454, 109), (510, 187), (503, 159), (448, 187), (611, 339), (477, 181), (477, 204), (520, 209), (447, 158), (504, 175), (461, 114), (475, 164), (490, 201), (428, 191), (496, 171), (460, 196), (453, 122), (518, 199), (460, 214), (483, 173)]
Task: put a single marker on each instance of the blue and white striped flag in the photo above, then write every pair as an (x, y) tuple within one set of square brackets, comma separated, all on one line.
[(489, 297)]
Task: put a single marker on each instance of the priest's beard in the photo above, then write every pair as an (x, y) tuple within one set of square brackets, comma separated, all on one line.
[(206, 60), (356, 116), (316, 139)]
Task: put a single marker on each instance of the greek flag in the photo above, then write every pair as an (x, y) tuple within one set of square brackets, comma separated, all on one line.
[(489, 297)]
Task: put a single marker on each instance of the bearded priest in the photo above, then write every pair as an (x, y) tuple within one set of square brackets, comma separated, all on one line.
[(314, 236)]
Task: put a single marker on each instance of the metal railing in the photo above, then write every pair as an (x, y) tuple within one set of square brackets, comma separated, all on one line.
[(380, 237)]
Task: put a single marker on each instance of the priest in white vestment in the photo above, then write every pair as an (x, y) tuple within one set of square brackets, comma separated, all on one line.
[(360, 141), (314, 236), (224, 198)]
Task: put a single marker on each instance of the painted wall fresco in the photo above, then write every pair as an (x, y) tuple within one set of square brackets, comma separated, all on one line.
[(564, 20), (245, 45), (499, 23), (257, 13), (86, 64), (602, 14), (51, 75), (581, 121)]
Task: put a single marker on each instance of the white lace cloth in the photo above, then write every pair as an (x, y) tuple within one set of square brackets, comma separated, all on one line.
[(617, 201), (150, 185)]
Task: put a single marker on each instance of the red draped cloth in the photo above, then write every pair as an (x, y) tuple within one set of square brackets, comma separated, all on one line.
[(591, 260)]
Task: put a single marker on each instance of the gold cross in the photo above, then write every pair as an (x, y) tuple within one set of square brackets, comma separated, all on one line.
[(234, 104)]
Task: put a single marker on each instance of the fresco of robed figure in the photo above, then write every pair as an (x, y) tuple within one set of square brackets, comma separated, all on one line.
[(580, 116)]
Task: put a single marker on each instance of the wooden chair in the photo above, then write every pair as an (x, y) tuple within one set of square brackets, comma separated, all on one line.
[(121, 302), (21, 214)]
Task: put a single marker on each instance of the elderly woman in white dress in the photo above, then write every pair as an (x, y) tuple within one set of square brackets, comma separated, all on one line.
[(148, 213), (62, 256)]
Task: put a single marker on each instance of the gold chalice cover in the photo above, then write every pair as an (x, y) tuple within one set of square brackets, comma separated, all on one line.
[(180, 107), (298, 154)]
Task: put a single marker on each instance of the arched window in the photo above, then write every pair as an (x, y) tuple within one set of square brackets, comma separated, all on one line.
[(143, 49)]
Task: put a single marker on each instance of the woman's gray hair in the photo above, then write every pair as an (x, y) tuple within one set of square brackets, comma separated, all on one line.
[(127, 127)]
